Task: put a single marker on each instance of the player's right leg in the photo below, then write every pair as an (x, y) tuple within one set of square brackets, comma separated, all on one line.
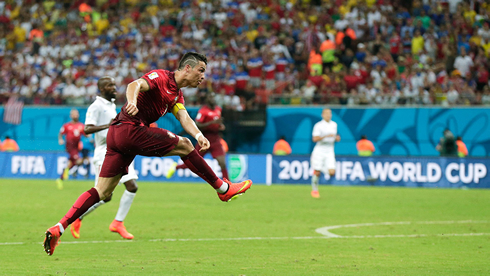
[(77, 224), (64, 174), (104, 189), (316, 161)]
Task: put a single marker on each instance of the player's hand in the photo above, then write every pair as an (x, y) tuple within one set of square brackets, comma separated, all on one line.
[(203, 143), (337, 138), (61, 142), (109, 124), (131, 109), (221, 127), (218, 121)]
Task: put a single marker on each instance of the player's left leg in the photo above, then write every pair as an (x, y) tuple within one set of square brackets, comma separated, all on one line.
[(222, 163), (174, 167), (330, 165), (127, 198)]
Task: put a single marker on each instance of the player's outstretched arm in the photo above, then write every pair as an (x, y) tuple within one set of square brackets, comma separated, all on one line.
[(89, 129), (60, 139), (132, 92), (190, 126)]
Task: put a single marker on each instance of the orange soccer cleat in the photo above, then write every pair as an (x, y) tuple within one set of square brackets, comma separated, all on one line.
[(75, 228), (235, 190), (118, 227), (51, 240), (315, 194)]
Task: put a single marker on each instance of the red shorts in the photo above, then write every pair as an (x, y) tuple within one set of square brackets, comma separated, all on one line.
[(74, 154), (125, 141), (216, 149)]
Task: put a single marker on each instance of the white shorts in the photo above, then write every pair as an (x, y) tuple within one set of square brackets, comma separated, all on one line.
[(130, 176), (321, 161)]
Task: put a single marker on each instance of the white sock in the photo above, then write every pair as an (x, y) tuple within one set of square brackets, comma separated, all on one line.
[(314, 182), (223, 189), (62, 229), (92, 208), (124, 205)]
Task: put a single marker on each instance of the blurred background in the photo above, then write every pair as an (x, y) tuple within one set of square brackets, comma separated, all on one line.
[(402, 73)]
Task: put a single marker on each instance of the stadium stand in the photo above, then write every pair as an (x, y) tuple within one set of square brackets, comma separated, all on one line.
[(352, 52)]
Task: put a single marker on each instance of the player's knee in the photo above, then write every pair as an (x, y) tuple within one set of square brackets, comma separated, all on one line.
[(131, 186), (317, 173), (107, 199), (186, 143), (331, 172)]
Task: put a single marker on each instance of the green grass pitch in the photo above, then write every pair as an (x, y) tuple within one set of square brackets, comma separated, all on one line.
[(183, 229)]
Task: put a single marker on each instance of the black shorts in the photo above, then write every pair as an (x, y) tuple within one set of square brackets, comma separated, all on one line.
[(85, 153)]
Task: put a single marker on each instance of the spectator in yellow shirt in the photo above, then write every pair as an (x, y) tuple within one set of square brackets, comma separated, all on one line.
[(417, 43)]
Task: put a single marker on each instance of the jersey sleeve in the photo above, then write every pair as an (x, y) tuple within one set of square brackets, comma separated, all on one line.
[(154, 79), (200, 116), (316, 130), (63, 129), (92, 115)]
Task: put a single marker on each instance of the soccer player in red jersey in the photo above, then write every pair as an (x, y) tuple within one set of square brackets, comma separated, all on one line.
[(210, 122), (149, 98), (73, 131)]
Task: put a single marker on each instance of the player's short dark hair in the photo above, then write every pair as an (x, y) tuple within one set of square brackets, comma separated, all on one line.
[(192, 59), (101, 82)]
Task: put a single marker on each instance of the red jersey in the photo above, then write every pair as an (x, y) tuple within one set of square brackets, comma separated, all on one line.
[(395, 44), (156, 102), (73, 132), (206, 114)]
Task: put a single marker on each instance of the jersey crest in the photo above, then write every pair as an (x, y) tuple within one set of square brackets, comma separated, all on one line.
[(153, 75)]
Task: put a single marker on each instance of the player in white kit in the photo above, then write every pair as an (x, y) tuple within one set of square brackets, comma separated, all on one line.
[(323, 155), (98, 119)]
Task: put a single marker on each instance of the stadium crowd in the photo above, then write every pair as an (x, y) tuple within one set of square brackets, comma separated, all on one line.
[(350, 52)]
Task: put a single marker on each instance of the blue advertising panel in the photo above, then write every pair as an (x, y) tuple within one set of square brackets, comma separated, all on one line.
[(50, 165), (268, 169), (388, 171)]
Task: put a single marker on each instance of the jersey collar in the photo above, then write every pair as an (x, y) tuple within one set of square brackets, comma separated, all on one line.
[(104, 100)]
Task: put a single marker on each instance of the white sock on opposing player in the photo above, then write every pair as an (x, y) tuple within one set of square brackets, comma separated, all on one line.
[(124, 205), (314, 182), (91, 209)]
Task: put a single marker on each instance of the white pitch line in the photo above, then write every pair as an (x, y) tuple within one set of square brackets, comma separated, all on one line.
[(326, 230), (264, 238)]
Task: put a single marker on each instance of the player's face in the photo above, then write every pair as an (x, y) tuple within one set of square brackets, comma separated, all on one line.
[(327, 114), (109, 89), (74, 115), (196, 75), (210, 99)]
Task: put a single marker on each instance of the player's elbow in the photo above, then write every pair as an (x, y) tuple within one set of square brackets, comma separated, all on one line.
[(87, 130)]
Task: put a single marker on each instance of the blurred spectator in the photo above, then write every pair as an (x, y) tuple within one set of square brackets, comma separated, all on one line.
[(281, 147), (52, 53), (447, 144), (9, 145), (365, 147), (462, 150)]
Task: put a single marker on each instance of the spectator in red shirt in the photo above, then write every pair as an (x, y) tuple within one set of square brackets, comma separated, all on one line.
[(482, 78), (351, 80), (395, 41)]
